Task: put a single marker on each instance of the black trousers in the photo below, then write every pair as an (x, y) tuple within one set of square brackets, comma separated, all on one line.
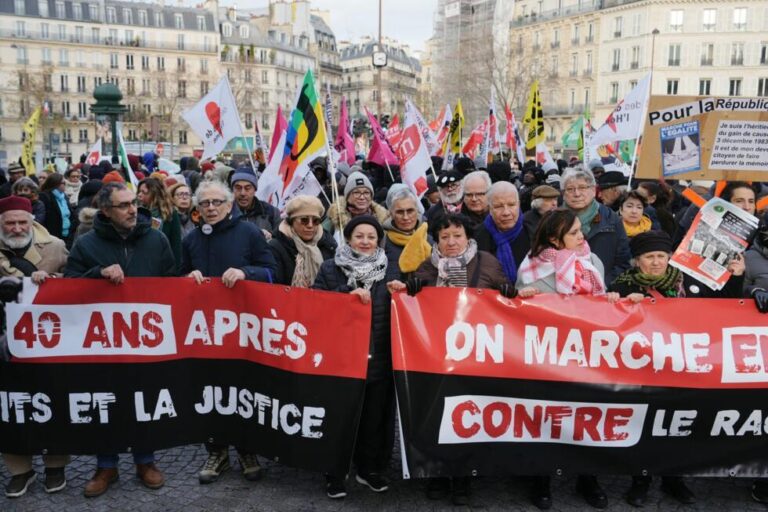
[(376, 432)]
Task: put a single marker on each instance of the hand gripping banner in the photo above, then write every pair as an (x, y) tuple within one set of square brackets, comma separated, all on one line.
[(155, 363), (493, 386)]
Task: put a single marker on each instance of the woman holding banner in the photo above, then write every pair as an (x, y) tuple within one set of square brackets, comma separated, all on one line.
[(360, 268), (653, 276), (456, 262), (561, 262)]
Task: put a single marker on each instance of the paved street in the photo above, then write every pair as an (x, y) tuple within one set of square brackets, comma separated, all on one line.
[(291, 489)]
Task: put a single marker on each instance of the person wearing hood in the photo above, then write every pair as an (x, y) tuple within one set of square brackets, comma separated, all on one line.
[(121, 244), (357, 200), (300, 244), (407, 243), (228, 247)]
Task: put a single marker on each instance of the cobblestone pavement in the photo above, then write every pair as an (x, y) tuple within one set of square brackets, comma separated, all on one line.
[(286, 488)]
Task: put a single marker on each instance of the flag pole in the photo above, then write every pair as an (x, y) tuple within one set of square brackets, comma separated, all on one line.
[(331, 167), (240, 126), (391, 176), (639, 136)]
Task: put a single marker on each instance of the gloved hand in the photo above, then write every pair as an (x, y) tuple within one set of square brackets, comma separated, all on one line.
[(761, 300), (508, 290), (414, 286)]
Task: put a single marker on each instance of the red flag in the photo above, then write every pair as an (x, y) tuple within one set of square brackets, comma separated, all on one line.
[(394, 132), (413, 153), (344, 143), (280, 126), (436, 123), (475, 139), (381, 152)]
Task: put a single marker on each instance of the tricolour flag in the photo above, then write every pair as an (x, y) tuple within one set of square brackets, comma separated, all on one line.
[(513, 140), (626, 121), (413, 153), (28, 146), (215, 119), (543, 157), (344, 143), (534, 118), (381, 152)]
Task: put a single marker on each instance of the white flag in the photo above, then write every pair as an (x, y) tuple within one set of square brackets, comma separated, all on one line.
[(413, 153), (543, 158), (270, 186), (94, 154), (627, 119), (426, 133), (215, 119)]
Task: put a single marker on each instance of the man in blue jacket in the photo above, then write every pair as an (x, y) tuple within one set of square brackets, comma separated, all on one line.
[(225, 245), (122, 244)]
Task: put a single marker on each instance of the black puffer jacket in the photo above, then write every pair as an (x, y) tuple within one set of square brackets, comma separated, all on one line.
[(332, 278), (285, 252)]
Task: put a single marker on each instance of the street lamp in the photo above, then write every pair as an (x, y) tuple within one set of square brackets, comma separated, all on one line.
[(108, 104), (654, 33)]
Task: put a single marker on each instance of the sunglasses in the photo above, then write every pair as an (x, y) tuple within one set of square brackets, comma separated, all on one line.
[(306, 220)]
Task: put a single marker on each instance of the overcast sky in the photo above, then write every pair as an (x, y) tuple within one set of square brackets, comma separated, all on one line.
[(409, 21)]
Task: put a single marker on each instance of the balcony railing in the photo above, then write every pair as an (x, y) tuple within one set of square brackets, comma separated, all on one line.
[(706, 61), (575, 41), (615, 67), (634, 65), (673, 62), (556, 13), (737, 61)]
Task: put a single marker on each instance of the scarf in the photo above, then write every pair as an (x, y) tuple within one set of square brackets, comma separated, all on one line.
[(641, 227), (61, 199), (669, 284), (356, 211), (573, 270), (587, 216), (360, 269), (452, 271), (72, 191), (416, 249), (308, 259), (504, 241)]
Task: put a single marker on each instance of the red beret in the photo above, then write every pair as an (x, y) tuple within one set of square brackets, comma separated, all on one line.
[(207, 166), (15, 203)]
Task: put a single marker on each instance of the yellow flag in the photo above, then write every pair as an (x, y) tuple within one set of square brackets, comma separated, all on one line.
[(452, 144), (28, 146), (534, 118)]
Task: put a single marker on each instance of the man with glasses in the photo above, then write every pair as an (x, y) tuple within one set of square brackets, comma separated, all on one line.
[(228, 247), (265, 216), (121, 244), (451, 188), (475, 207), (358, 200)]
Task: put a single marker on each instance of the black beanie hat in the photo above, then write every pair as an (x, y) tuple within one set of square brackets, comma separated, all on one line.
[(363, 219), (650, 241)]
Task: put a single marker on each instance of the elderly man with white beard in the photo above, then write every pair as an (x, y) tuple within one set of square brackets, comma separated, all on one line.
[(451, 187), (26, 247), (28, 250)]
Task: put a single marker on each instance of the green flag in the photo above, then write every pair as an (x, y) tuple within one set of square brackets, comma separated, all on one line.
[(571, 136), (626, 149)]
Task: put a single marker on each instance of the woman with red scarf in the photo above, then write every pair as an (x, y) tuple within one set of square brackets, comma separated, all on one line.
[(560, 262)]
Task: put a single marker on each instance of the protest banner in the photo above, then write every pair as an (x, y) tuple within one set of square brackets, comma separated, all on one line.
[(537, 386), (719, 232), (155, 363), (702, 137)]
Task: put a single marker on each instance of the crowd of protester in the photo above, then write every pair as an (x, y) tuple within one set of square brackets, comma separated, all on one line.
[(573, 229)]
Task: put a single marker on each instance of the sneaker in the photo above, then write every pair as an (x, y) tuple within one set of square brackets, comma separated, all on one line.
[(249, 462), (334, 487), (217, 463), (19, 484), (375, 481), (54, 480)]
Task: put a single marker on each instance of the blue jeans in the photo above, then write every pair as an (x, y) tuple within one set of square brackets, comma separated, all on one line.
[(110, 460)]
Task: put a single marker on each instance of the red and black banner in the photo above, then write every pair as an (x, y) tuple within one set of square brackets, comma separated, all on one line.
[(493, 386), (155, 363)]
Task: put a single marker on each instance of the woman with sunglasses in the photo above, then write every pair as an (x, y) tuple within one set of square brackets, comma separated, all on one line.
[(300, 244)]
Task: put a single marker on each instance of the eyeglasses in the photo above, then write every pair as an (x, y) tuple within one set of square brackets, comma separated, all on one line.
[(581, 188), (306, 220), (475, 195), (361, 193), (125, 205), (205, 203), (409, 212), (182, 194)]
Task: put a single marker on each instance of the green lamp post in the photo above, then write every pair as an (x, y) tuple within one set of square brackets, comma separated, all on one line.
[(108, 98)]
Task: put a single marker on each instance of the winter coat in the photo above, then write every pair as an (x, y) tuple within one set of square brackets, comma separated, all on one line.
[(484, 271), (332, 278), (520, 247), (263, 215), (694, 289), (233, 243), (38, 211), (531, 221), (393, 252), (608, 241), (145, 252), (46, 252), (284, 250), (475, 220), (53, 217), (379, 211), (756, 275), (171, 228), (547, 283)]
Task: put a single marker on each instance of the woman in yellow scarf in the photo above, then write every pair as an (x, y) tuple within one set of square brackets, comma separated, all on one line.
[(407, 243), (632, 210)]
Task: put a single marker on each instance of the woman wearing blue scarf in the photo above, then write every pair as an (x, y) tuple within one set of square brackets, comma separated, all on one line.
[(503, 233), (58, 220)]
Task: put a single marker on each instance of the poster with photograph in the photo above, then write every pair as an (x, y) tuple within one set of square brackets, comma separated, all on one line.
[(719, 232), (680, 148)]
